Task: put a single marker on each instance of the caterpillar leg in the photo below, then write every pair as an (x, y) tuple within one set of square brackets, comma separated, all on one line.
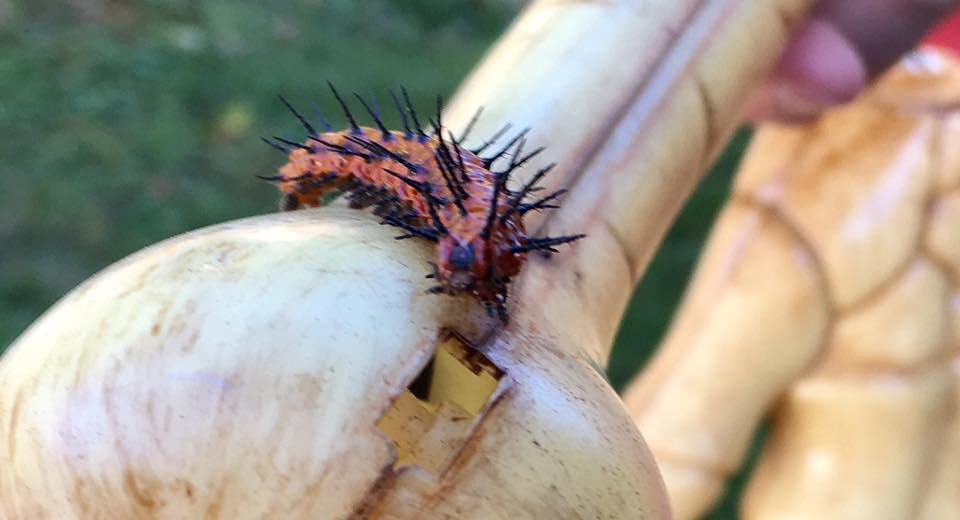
[(498, 310), (496, 306), (289, 202)]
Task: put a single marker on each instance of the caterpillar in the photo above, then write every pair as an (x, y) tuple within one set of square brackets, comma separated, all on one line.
[(429, 186)]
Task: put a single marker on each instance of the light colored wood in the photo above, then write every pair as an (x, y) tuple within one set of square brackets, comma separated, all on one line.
[(687, 418), (949, 174), (747, 249), (924, 82), (942, 238), (856, 191), (904, 326), (941, 499), (633, 99), (864, 398), (240, 371), (852, 447)]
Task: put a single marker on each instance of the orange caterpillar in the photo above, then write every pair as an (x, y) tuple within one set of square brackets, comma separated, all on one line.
[(429, 186)]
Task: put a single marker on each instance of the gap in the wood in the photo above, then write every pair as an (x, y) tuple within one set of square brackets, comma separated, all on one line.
[(431, 420)]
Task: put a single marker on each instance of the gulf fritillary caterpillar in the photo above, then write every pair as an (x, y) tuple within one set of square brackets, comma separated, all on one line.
[(429, 186)]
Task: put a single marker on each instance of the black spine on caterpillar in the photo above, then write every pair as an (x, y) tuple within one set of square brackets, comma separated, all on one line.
[(429, 186)]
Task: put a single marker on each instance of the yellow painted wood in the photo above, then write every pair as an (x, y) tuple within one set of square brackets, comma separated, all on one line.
[(456, 381)]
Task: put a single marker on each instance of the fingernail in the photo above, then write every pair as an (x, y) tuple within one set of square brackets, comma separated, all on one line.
[(819, 69)]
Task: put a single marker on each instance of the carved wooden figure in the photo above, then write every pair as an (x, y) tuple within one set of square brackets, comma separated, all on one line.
[(280, 366), (829, 294)]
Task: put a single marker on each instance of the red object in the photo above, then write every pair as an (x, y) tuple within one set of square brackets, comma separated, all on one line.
[(947, 33)]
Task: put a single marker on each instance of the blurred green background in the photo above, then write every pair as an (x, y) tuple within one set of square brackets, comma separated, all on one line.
[(124, 122)]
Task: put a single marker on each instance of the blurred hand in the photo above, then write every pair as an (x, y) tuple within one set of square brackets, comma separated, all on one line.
[(839, 50)]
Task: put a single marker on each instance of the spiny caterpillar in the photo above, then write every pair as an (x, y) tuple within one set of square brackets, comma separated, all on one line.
[(429, 186)]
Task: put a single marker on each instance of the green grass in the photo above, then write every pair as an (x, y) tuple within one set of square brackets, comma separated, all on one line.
[(127, 122), (128, 126)]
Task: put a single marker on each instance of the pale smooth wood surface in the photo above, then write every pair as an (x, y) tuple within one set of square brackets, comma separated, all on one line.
[(239, 371), (633, 99), (844, 324)]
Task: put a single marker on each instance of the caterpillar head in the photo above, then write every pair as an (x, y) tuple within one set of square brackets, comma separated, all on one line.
[(462, 264), (478, 264)]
